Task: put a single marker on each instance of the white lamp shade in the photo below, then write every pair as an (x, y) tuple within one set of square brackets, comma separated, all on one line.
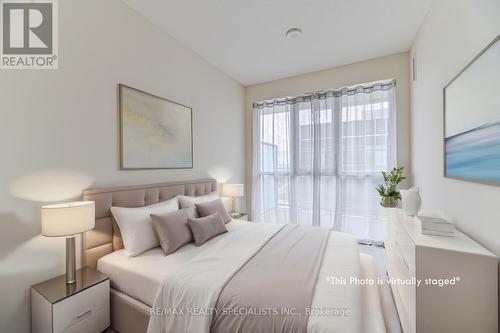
[(68, 219), (233, 190)]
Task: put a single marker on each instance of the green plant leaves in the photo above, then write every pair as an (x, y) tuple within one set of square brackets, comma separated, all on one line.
[(391, 180)]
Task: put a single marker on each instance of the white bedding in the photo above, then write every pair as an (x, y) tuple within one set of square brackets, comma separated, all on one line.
[(198, 284), (341, 260), (141, 276)]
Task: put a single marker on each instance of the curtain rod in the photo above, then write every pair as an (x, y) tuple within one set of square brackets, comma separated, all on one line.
[(322, 94)]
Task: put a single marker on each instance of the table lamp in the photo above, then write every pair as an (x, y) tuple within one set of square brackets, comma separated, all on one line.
[(68, 220), (234, 191)]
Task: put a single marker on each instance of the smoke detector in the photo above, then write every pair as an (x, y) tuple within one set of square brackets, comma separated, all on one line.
[(293, 33)]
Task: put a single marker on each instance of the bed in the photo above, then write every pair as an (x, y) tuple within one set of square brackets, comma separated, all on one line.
[(152, 280)]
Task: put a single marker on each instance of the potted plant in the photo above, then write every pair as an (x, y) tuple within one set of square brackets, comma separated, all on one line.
[(389, 192)]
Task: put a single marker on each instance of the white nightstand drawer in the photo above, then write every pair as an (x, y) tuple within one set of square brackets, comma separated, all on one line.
[(87, 311), (95, 322)]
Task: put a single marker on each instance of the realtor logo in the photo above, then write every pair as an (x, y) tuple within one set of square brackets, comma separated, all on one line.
[(29, 34)]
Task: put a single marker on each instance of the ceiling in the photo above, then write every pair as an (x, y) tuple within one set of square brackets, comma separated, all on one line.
[(246, 38)]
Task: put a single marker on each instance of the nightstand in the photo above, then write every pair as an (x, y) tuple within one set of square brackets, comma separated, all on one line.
[(80, 307), (243, 217)]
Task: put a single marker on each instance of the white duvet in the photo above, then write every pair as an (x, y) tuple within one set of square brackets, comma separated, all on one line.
[(187, 297)]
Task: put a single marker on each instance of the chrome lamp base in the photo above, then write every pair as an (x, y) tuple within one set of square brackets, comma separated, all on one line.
[(70, 260)]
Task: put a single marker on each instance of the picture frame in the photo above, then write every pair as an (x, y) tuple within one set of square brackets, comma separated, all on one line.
[(154, 132), (471, 120)]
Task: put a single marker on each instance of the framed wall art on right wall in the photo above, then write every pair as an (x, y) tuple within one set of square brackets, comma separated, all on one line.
[(472, 119)]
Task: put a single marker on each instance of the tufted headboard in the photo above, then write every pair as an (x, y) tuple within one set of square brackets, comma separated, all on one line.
[(105, 237)]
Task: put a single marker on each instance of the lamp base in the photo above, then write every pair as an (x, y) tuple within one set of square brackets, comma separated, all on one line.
[(70, 260), (237, 205)]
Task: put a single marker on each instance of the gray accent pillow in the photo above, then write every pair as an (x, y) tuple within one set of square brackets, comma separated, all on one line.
[(172, 230), (214, 206), (186, 201), (205, 228)]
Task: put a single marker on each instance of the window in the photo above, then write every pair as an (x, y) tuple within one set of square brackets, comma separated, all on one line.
[(318, 157)]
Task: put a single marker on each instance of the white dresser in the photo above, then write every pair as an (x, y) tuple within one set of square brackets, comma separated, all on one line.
[(470, 305)]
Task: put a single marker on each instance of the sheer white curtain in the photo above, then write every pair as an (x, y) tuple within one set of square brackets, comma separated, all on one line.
[(317, 158)]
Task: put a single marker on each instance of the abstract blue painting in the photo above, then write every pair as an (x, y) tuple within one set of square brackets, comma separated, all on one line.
[(472, 120)]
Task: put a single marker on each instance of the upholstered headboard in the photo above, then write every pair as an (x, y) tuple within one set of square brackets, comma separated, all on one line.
[(105, 237)]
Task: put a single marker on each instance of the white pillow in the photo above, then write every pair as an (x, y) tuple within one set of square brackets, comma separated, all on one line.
[(189, 202), (136, 226)]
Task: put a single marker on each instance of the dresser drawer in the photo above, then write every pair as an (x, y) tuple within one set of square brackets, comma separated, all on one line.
[(87, 311), (406, 248), (404, 294)]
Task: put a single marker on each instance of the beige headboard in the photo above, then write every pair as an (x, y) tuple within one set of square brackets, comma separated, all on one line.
[(105, 237)]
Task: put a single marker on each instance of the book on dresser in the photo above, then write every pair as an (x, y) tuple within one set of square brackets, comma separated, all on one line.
[(456, 283), (436, 226)]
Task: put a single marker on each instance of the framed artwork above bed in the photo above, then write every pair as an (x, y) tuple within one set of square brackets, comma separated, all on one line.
[(155, 133), (472, 120)]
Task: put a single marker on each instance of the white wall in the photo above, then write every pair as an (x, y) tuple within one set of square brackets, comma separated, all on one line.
[(392, 66), (58, 131), (453, 33)]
